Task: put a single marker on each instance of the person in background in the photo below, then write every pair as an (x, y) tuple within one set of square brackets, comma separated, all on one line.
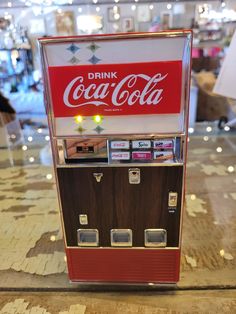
[(7, 112), (156, 25)]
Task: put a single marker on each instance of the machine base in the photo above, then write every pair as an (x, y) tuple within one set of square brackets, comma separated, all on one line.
[(123, 265)]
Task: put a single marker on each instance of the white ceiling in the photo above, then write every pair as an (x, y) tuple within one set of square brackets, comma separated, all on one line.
[(26, 3)]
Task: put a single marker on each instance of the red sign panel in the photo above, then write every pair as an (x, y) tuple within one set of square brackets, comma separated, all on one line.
[(116, 89)]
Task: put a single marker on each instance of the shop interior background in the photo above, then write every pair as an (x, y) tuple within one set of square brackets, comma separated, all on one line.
[(23, 21)]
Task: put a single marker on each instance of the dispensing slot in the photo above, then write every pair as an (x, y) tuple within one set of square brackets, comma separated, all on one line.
[(155, 237), (121, 237), (87, 237)]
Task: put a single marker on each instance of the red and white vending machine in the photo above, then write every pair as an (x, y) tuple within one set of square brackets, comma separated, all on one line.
[(117, 109)]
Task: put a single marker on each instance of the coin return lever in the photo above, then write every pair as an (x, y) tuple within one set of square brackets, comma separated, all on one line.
[(155, 237), (98, 176), (87, 237)]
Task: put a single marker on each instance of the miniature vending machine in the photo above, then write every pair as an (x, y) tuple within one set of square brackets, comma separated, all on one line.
[(117, 108)]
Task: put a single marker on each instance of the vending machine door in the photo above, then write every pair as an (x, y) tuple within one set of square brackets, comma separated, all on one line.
[(106, 199)]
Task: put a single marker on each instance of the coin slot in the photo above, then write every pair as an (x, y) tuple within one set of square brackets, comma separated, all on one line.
[(134, 176), (87, 237), (155, 237), (172, 199)]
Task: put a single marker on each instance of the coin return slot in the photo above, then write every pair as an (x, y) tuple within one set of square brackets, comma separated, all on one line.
[(87, 237), (121, 237), (155, 237)]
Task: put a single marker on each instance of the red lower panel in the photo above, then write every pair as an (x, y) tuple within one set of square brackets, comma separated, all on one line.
[(123, 265)]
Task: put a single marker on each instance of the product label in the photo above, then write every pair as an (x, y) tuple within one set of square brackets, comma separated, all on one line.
[(116, 89), (120, 155), (141, 144), (166, 144), (163, 155), (120, 144), (141, 155)]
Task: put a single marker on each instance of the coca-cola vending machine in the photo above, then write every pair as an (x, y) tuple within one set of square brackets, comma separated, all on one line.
[(117, 109)]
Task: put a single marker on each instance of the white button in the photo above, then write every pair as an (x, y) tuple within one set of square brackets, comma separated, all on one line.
[(83, 219)]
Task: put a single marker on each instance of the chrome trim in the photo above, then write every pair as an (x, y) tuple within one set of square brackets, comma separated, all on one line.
[(127, 165), (125, 136), (165, 34), (127, 248)]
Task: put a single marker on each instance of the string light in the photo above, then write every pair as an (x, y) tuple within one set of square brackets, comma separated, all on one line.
[(97, 9), (151, 7), (169, 6), (31, 159), (209, 129), (133, 7), (30, 139), (205, 138), (53, 238), (223, 4), (219, 149), (24, 147), (191, 130), (49, 176), (231, 169)]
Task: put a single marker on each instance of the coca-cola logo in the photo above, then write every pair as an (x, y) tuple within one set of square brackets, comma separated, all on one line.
[(125, 91), (120, 156), (116, 89), (120, 144)]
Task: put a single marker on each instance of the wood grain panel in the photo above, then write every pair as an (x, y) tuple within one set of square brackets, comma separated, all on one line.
[(82, 194), (114, 203)]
